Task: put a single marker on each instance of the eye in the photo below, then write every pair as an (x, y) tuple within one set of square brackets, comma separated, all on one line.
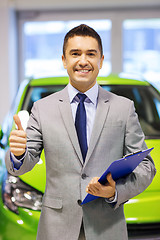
[(75, 54), (91, 54)]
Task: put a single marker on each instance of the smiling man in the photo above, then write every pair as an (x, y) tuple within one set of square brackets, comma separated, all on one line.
[(83, 58), (82, 130)]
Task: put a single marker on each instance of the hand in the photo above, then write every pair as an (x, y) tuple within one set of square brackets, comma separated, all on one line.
[(105, 191), (18, 138)]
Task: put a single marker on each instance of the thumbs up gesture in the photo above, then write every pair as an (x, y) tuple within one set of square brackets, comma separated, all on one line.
[(18, 138)]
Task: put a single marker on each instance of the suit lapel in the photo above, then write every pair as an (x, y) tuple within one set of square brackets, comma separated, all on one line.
[(101, 114), (66, 113)]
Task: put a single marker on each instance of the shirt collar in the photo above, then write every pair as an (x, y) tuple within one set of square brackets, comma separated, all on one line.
[(92, 93)]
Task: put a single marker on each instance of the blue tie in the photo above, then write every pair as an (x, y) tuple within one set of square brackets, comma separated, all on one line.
[(80, 124)]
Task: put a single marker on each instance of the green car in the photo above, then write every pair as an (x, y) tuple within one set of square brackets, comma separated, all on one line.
[(21, 197)]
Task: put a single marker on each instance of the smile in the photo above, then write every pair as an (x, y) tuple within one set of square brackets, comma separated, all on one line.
[(83, 70)]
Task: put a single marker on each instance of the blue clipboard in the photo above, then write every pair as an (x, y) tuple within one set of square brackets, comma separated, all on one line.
[(120, 168)]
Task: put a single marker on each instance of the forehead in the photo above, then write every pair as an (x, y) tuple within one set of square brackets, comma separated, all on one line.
[(82, 43)]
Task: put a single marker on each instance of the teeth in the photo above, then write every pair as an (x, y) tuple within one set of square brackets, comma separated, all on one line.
[(83, 70)]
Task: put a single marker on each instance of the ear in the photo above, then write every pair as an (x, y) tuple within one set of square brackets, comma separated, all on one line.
[(64, 61), (101, 62)]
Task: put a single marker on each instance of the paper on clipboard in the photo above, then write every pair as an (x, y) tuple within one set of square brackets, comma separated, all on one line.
[(120, 168)]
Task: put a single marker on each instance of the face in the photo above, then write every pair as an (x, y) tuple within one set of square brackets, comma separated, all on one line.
[(83, 61)]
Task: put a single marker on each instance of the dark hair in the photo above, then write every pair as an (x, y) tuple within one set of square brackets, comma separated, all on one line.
[(82, 30)]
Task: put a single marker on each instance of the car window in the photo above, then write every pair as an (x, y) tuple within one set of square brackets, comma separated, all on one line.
[(147, 104), (37, 92), (146, 100)]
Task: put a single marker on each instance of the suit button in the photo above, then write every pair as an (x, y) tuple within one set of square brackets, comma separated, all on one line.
[(84, 176), (79, 202)]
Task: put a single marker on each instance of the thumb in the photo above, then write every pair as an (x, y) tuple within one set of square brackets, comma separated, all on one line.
[(17, 122), (110, 179)]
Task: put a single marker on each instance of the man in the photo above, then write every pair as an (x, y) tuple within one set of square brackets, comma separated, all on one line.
[(75, 159)]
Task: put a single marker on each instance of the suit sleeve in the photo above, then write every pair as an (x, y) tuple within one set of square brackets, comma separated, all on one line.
[(34, 146), (142, 176)]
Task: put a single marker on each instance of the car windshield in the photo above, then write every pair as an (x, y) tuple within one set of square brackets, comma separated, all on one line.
[(147, 103), (37, 92), (146, 100)]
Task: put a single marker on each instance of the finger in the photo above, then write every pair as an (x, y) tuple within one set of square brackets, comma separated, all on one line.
[(17, 139), (94, 185), (17, 145), (17, 148), (94, 180), (92, 191), (17, 122), (93, 188), (18, 133), (17, 151)]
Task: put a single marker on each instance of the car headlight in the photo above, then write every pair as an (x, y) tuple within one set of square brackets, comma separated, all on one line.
[(16, 193)]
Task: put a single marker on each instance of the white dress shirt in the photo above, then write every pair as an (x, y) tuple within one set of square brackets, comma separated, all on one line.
[(90, 105)]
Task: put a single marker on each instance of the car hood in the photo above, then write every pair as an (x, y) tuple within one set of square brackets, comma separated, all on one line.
[(155, 154), (37, 177)]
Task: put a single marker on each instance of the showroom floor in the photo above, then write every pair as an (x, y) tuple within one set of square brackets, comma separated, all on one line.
[(144, 232), (153, 237)]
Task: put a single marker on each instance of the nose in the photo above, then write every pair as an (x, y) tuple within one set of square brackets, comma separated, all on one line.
[(83, 60)]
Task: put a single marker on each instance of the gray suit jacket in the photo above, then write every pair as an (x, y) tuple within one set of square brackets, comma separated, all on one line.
[(116, 132)]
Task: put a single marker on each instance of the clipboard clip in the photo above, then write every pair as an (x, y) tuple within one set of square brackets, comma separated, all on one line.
[(130, 154)]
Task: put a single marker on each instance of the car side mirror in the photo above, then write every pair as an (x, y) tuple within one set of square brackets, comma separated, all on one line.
[(1, 136)]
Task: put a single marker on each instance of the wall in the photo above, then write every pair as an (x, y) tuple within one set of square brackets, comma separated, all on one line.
[(83, 4), (8, 56), (8, 36)]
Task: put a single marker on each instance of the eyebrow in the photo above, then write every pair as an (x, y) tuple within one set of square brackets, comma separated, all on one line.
[(77, 50), (92, 50), (74, 50)]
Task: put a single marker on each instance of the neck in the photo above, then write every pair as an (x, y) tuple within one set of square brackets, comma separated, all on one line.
[(82, 88)]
